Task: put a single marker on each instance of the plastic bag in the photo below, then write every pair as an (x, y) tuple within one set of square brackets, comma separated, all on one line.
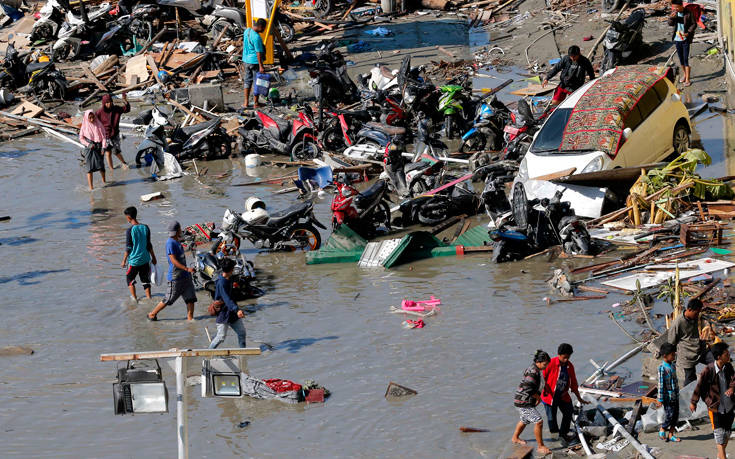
[(156, 274), (654, 417), (171, 168)]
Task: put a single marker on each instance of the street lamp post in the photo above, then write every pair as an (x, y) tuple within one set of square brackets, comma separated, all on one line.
[(182, 427)]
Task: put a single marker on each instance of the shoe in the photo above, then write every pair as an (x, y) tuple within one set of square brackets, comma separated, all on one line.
[(133, 299)]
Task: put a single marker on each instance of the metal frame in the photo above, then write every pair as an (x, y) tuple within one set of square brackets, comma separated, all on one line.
[(182, 427)]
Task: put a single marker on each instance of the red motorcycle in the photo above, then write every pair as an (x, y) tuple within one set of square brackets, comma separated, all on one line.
[(363, 212), (518, 133), (271, 134)]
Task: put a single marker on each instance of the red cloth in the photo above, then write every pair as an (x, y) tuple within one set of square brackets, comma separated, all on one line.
[(551, 373), (282, 385), (560, 94)]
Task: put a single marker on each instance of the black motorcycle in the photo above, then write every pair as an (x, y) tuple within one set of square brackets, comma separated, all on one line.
[(289, 229), (623, 39), (332, 85), (208, 267), (207, 140), (235, 21), (41, 79), (432, 210), (530, 229)]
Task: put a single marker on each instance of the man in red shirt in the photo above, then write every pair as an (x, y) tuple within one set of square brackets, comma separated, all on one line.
[(560, 378)]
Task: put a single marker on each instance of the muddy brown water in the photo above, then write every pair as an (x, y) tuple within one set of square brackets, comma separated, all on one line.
[(64, 295)]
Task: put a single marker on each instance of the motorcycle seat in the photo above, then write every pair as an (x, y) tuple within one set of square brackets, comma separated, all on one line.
[(278, 217), (386, 72), (190, 130), (35, 66), (211, 260), (369, 194), (390, 130)]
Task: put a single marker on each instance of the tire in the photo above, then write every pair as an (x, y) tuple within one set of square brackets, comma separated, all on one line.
[(141, 30), (287, 32), (305, 149), (332, 139), (681, 138), (42, 32), (218, 147), (322, 8), (608, 6), (433, 218), (501, 252), (217, 26), (307, 236), (450, 126), (475, 142), (608, 61)]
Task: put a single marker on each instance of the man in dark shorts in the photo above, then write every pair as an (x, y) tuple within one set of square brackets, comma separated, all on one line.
[(253, 51), (138, 253), (180, 283), (573, 67), (109, 115)]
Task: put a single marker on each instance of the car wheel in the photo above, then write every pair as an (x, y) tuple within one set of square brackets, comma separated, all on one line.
[(681, 138)]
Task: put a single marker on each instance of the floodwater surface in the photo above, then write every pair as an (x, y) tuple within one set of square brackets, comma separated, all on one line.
[(64, 295)]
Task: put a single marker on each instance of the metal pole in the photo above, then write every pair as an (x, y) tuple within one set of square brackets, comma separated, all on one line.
[(182, 427), (638, 447)]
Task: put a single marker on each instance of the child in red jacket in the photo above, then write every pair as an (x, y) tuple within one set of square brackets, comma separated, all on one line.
[(560, 378)]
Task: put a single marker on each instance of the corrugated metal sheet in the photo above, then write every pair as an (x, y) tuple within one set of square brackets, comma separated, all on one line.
[(474, 237)]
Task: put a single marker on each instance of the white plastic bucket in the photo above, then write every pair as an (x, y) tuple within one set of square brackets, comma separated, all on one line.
[(252, 160)]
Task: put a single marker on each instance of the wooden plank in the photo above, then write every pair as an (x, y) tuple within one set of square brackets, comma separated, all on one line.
[(137, 66), (178, 353), (521, 452), (93, 77), (533, 90), (27, 109), (554, 175)]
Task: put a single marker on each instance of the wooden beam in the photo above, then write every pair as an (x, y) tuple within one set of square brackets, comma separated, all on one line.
[(178, 353), (93, 77)]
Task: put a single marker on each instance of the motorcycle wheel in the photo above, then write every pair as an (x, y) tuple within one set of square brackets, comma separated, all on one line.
[(305, 150), (582, 241), (503, 252), (322, 8), (62, 53), (608, 6), (287, 32), (450, 126), (608, 61), (307, 236), (332, 139), (430, 217), (42, 32), (220, 246), (218, 147), (54, 90), (218, 26), (142, 30), (476, 142)]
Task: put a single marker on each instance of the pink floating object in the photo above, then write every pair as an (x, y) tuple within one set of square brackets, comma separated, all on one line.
[(420, 306)]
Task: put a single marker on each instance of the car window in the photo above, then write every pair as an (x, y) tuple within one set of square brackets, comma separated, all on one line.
[(662, 89), (550, 136), (633, 119), (648, 103)]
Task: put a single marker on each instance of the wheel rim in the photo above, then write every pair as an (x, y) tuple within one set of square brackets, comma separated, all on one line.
[(306, 238), (307, 150), (681, 141)]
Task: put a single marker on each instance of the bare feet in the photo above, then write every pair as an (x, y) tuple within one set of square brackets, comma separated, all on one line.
[(544, 450), (125, 166), (518, 441)]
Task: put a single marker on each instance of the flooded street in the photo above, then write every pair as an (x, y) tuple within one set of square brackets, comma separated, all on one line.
[(64, 295)]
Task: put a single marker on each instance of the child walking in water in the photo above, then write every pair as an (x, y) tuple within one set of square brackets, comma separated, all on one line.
[(92, 136), (527, 396)]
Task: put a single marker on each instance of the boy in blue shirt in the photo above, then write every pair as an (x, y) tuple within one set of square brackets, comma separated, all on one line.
[(252, 58), (180, 283), (138, 253), (668, 392), (229, 314)]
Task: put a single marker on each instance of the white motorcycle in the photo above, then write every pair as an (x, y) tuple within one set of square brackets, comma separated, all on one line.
[(72, 31)]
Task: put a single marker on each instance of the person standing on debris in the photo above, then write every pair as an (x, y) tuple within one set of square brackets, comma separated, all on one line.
[(716, 386), (253, 51), (691, 349), (180, 283), (573, 67), (109, 115), (527, 396), (684, 24), (230, 315), (138, 253), (92, 136), (560, 378), (668, 393)]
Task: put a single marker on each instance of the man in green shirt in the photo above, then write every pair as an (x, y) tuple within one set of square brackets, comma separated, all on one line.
[(138, 253), (252, 58)]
